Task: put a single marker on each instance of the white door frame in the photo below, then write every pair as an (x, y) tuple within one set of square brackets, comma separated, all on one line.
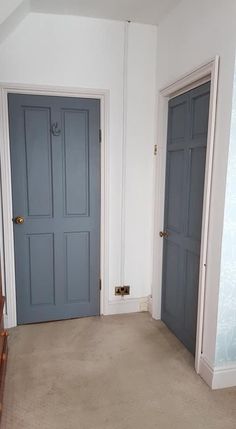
[(6, 191), (204, 73)]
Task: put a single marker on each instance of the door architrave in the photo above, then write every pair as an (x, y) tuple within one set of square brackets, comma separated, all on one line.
[(206, 72), (7, 249)]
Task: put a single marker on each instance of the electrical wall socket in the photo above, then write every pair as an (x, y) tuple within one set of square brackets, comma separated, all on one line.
[(122, 290)]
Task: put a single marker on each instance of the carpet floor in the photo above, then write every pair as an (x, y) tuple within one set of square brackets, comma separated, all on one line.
[(113, 372)]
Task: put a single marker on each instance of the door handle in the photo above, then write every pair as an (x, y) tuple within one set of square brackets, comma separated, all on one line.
[(19, 220), (163, 234)]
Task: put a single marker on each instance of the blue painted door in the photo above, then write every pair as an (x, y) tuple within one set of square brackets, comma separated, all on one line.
[(185, 173), (55, 160)]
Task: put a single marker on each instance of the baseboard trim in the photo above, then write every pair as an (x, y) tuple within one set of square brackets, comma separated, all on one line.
[(150, 304), (224, 377), (218, 377), (6, 322), (127, 305), (206, 371)]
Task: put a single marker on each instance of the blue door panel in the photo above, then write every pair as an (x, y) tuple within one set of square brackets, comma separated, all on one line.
[(77, 271), (41, 280), (76, 162), (38, 159)]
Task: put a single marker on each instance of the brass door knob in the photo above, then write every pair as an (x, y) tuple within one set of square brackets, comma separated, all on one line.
[(163, 234), (19, 220)]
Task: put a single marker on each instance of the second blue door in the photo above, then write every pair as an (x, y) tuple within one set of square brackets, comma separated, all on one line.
[(185, 174)]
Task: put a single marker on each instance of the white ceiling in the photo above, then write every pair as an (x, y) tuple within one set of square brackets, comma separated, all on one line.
[(143, 11)]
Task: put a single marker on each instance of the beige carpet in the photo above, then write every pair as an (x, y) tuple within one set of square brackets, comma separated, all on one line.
[(116, 372)]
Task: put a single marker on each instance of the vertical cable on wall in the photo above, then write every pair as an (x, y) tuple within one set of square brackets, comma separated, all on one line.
[(124, 140)]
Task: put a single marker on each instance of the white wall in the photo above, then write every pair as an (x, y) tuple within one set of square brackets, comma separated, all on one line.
[(226, 327), (141, 126), (83, 52), (192, 34)]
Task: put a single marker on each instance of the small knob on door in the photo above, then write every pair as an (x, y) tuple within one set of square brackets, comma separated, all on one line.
[(163, 234), (19, 220)]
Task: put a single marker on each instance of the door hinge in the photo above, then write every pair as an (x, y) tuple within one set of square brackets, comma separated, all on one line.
[(155, 149), (100, 284), (100, 136)]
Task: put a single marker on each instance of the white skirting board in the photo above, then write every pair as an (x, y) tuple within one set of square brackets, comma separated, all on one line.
[(218, 377), (6, 324), (150, 304), (126, 305)]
